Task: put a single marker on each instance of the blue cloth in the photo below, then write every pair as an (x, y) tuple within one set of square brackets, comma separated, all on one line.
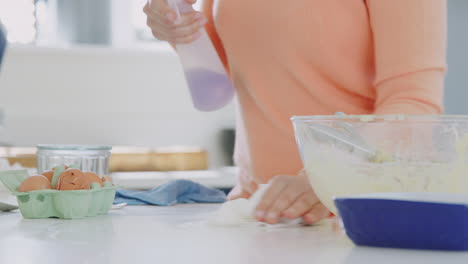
[(177, 191)]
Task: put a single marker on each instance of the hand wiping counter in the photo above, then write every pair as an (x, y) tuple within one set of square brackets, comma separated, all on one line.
[(238, 212), (241, 212)]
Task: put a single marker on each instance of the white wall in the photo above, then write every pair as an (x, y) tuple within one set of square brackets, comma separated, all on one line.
[(456, 84), (94, 95)]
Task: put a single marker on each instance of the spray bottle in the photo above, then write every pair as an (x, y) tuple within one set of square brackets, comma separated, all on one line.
[(210, 86)]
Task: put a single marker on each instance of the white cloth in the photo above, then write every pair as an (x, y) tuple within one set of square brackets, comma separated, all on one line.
[(242, 211)]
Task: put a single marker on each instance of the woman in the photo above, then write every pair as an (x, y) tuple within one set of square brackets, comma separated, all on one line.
[(313, 57)]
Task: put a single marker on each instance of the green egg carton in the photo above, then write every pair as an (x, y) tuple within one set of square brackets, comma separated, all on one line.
[(59, 204)]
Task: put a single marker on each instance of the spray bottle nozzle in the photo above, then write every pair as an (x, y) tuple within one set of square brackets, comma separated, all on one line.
[(180, 7), (173, 5)]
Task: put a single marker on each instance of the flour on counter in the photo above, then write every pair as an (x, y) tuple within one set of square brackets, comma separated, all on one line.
[(240, 212), (232, 213)]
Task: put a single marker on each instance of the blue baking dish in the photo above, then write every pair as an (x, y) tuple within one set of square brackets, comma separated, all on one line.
[(433, 221)]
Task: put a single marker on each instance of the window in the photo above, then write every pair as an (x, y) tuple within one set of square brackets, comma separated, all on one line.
[(142, 32), (18, 18), (40, 22)]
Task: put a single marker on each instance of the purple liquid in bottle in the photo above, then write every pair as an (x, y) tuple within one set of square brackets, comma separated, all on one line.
[(210, 90)]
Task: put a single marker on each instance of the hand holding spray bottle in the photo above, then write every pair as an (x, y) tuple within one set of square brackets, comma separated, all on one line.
[(210, 86)]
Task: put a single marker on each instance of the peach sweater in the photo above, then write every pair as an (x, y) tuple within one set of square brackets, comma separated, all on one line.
[(318, 57)]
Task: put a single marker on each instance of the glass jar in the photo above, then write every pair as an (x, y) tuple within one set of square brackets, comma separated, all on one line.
[(84, 157)]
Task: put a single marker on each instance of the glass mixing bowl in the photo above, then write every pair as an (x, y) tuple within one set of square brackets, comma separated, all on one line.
[(84, 157), (346, 155)]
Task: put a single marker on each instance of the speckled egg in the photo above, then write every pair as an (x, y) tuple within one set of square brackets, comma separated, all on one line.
[(72, 179)]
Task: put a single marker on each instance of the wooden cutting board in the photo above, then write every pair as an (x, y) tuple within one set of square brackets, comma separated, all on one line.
[(125, 159)]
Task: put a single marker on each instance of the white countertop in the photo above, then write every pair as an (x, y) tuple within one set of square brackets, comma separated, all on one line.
[(149, 234)]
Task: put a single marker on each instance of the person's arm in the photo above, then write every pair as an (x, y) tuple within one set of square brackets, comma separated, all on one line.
[(207, 11), (245, 185), (410, 48)]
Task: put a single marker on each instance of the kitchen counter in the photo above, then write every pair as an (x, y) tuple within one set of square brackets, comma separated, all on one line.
[(149, 234), (224, 178)]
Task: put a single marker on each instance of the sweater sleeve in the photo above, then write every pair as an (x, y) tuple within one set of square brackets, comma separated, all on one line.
[(245, 183), (410, 50), (207, 10)]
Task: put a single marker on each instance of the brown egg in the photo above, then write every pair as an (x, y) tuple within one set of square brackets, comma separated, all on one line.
[(92, 177), (48, 174), (72, 179), (35, 182)]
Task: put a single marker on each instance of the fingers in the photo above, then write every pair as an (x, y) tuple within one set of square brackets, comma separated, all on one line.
[(190, 29), (189, 33), (161, 6), (246, 182), (185, 39), (167, 16), (317, 213), (302, 205), (268, 199), (286, 198), (244, 195), (237, 192), (290, 197), (156, 18), (186, 32), (158, 31), (188, 19)]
